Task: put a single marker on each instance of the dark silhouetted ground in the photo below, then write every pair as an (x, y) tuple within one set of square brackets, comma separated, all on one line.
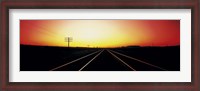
[(44, 58)]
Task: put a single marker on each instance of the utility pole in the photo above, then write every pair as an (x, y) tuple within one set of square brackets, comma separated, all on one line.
[(68, 40)]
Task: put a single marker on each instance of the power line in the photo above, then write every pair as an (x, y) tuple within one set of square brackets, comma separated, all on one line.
[(68, 40)]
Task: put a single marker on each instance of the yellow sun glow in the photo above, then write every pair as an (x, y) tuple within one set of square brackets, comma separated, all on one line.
[(94, 33)]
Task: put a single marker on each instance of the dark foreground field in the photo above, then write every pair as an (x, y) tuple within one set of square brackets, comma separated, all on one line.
[(43, 58)]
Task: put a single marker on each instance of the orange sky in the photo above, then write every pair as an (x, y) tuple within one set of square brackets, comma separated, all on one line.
[(100, 33)]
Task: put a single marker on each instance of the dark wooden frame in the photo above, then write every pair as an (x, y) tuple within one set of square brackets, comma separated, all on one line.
[(103, 4)]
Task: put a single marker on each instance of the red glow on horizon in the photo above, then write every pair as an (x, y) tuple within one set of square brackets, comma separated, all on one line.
[(100, 33)]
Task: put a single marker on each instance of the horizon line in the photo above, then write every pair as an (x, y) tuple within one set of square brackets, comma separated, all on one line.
[(100, 47)]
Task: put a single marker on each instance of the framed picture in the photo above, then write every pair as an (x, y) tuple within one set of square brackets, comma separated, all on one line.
[(95, 45)]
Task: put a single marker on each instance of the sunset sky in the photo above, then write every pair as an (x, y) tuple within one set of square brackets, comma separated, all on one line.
[(100, 33)]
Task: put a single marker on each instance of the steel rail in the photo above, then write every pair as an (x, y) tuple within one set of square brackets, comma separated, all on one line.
[(138, 60), (121, 60), (74, 61), (90, 60)]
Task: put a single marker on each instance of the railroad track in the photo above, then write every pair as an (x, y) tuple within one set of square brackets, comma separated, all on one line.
[(107, 60), (71, 62), (138, 60)]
